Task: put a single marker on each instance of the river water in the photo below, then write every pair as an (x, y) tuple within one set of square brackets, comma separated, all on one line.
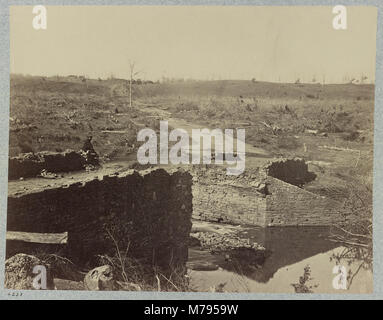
[(292, 249)]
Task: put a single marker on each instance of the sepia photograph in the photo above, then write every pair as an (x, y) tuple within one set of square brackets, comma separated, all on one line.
[(216, 149)]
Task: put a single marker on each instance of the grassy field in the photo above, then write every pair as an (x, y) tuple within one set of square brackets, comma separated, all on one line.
[(58, 113), (319, 123), (330, 126)]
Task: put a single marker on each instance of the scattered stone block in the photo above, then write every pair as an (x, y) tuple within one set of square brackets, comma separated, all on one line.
[(100, 279)]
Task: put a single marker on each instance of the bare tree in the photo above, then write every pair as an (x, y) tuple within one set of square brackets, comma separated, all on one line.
[(133, 73)]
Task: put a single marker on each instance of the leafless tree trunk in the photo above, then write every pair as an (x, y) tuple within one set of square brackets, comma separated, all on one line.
[(130, 83), (132, 65)]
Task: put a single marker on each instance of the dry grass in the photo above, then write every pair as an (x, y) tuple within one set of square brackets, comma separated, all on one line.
[(56, 115), (276, 118), (149, 278)]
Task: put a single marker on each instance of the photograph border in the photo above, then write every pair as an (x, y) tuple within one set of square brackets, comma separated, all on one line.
[(122, 295)]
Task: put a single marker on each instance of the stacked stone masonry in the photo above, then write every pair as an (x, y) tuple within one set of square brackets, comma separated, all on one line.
[(31, 164), (149, 211), (265, 197)]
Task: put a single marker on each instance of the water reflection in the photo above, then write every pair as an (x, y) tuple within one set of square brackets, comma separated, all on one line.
[(287, 245), (291, 249)]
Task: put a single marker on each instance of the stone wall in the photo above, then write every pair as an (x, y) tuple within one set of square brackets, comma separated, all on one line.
[(222, 198), (31, 164), (289, 205), (149, 211), (228, 204), (258, 198)]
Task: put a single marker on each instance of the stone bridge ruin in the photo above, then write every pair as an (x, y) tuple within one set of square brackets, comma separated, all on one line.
[(268, 196), (150, 211)]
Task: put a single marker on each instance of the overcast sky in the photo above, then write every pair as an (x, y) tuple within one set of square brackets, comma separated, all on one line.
[(202, 42)]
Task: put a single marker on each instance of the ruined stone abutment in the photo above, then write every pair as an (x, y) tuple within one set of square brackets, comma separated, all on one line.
[(148, 211), (31, 164), (268, 196)]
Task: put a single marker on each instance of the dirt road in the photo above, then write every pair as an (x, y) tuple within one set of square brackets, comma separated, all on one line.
[(254, 156)]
